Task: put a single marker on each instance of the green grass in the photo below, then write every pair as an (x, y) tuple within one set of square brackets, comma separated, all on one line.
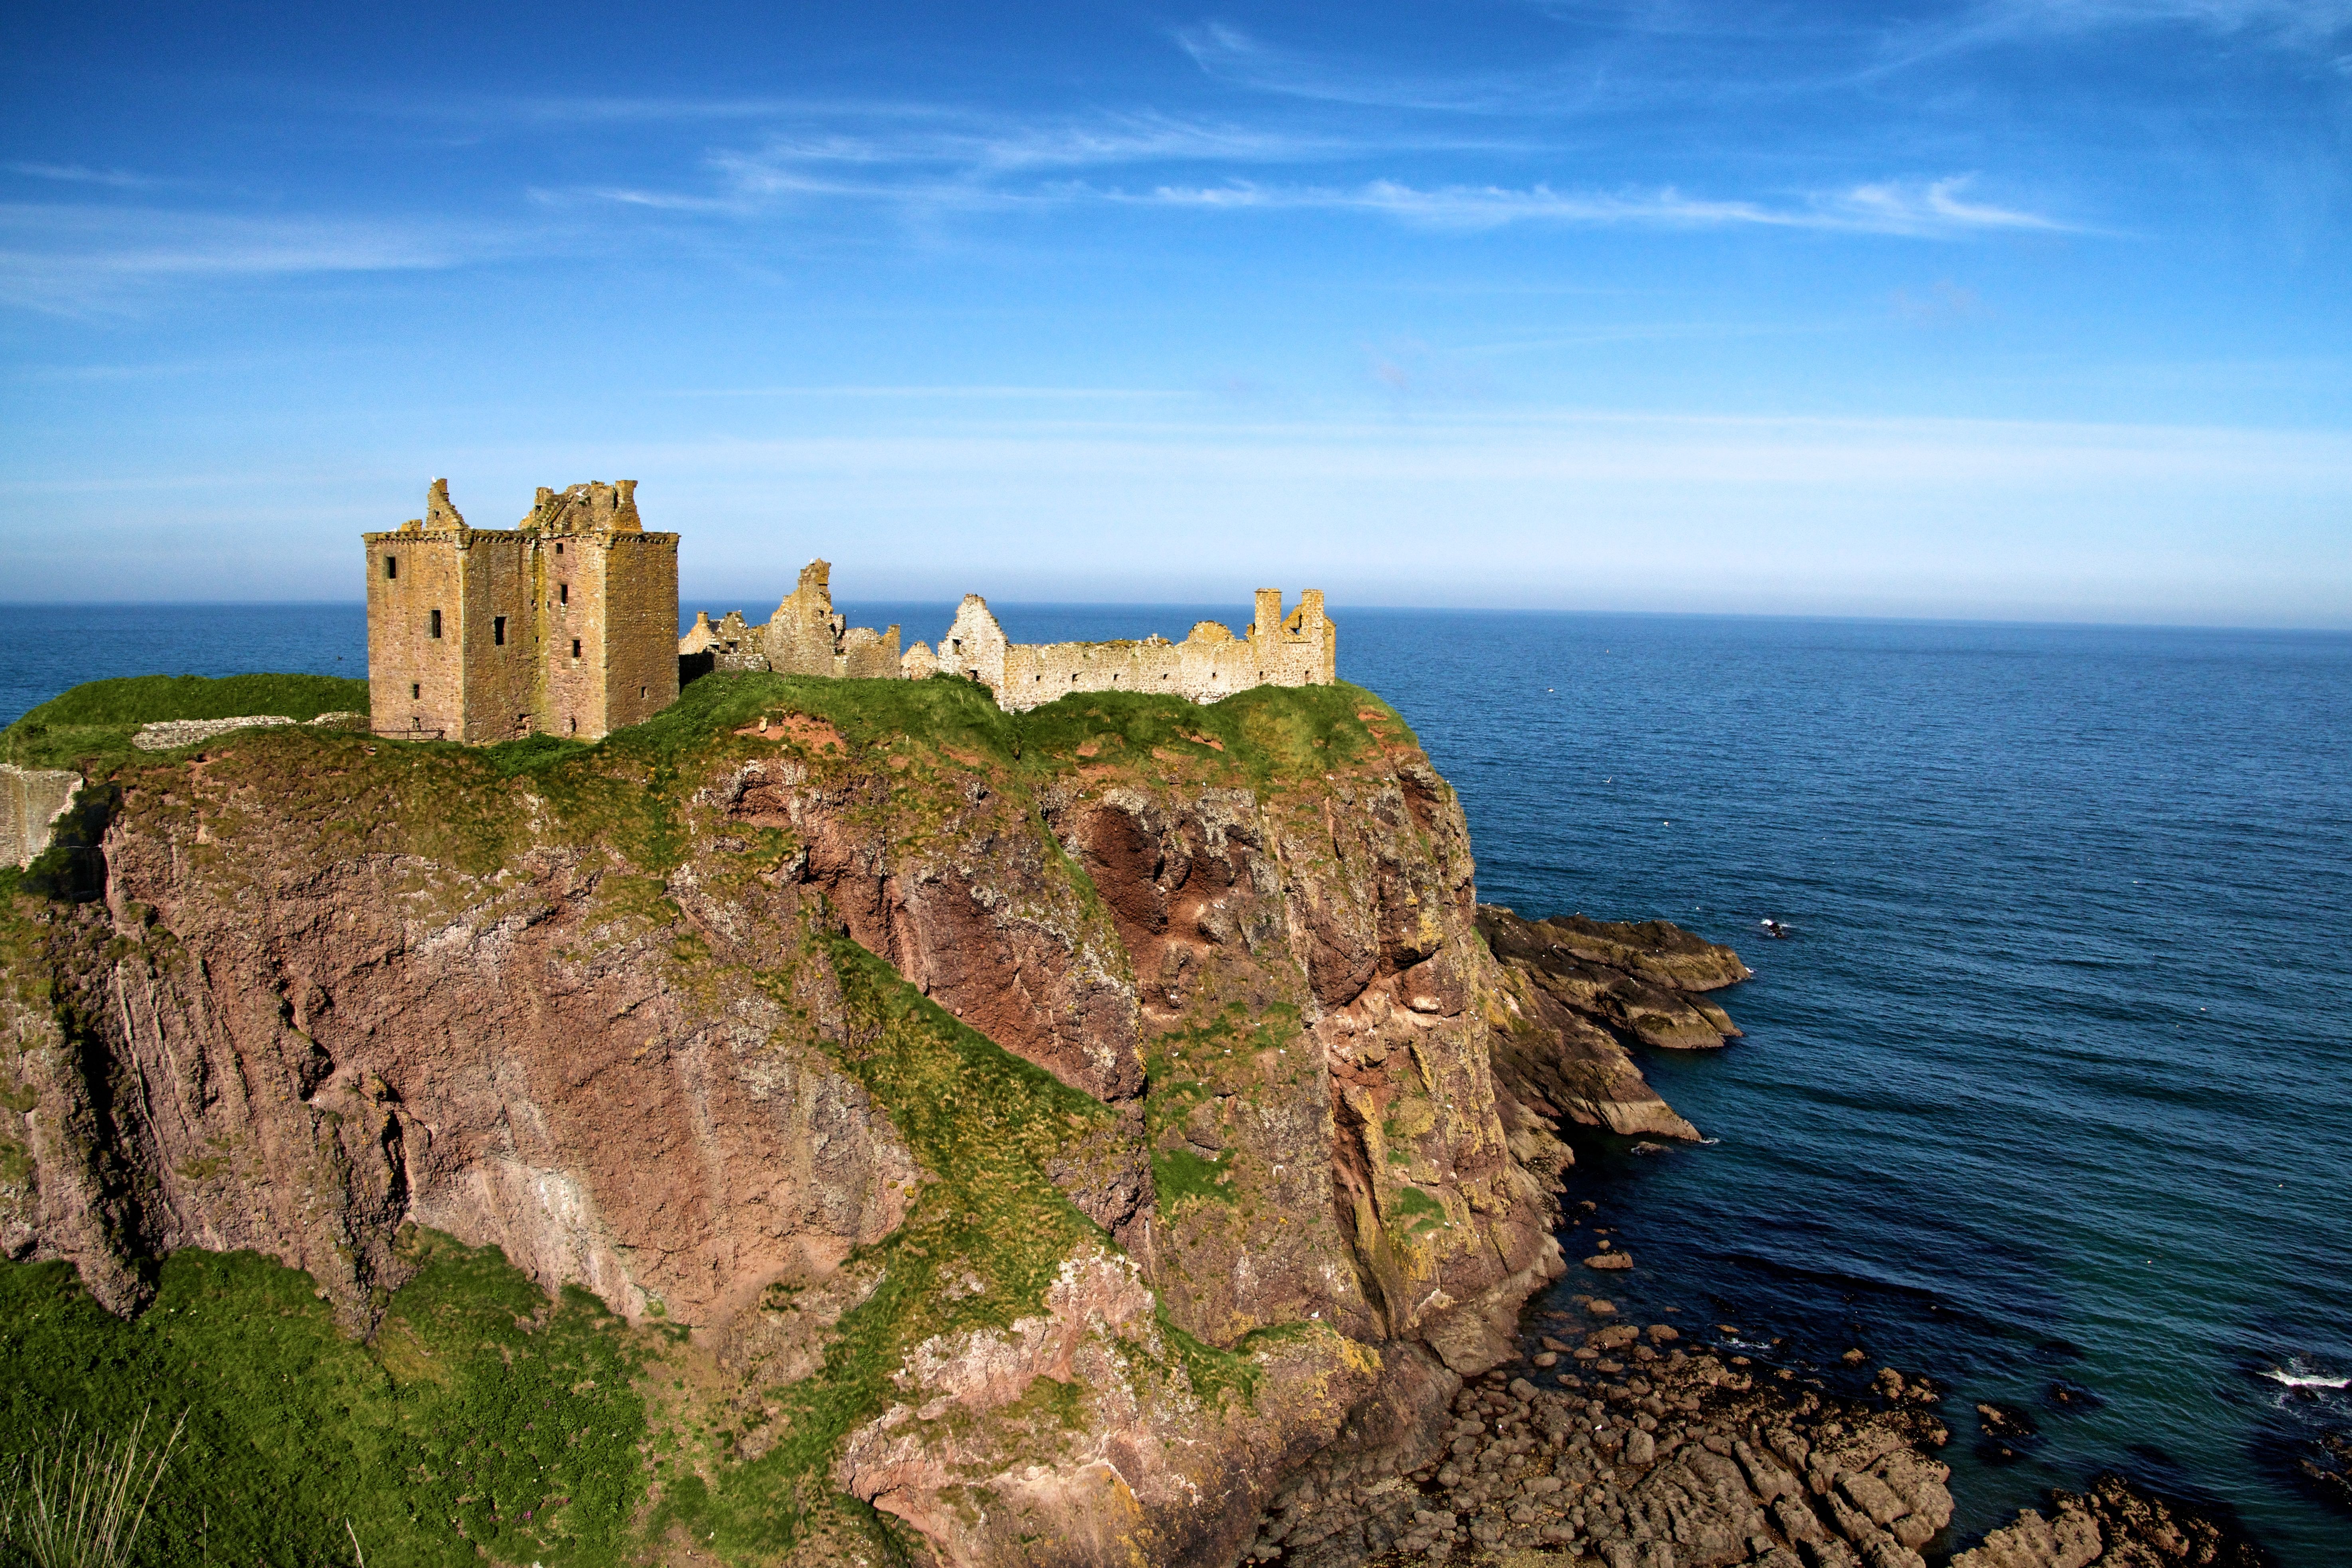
[(1180, 1176), (94, 721), (482, 1413), (1415, 1211), (1271, 735)]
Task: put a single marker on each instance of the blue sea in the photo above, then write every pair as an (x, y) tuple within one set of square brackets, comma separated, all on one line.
[(2047, 1093)]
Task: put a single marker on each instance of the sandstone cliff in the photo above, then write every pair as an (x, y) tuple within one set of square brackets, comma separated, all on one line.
[(1053, 1128)]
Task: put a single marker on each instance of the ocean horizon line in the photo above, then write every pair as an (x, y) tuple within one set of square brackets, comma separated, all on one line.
[(2053, 624)]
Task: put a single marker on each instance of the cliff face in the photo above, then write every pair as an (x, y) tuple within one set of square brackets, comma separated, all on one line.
[(737, 1022)]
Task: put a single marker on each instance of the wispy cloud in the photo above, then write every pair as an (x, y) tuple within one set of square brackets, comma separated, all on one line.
[(1924, 209), (73, 259), (1650, 57), (1230, 55), (949, 393), (83, 175), (2318, 30), (975, 165)]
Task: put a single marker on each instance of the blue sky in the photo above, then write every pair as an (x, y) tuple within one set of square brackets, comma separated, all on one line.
[(2034, 308)]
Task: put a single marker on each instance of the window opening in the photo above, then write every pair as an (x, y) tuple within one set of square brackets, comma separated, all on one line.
[(558, 549), (392, 566), (436, 623), (499, 630), (563, 594), (415, 691), (575, 723), (575, 647), (641, 691)]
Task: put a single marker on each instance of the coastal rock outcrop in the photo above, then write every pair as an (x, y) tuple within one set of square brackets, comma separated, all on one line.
[(1073, 1122), (2115, 1524), (1578, 993), (1677, 1458)]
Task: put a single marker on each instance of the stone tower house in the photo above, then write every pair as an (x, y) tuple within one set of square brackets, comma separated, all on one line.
[(565, 624)]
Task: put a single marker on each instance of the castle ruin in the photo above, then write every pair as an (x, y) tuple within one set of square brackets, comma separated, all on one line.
[(1211, 662), (563, 624), (567, 624), (806, 637), (803, 637)]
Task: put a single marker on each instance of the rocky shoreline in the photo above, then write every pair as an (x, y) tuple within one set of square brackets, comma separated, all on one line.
[(1607, 1443)]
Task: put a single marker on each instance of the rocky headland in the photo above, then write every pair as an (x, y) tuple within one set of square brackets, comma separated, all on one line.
[(1111, 1133)]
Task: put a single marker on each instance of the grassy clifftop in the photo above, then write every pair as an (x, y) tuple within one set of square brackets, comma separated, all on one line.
[(481, 1416), (94, 722)]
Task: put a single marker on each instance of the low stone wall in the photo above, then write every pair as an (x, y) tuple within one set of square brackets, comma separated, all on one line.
[(31, 800), (169, 733)]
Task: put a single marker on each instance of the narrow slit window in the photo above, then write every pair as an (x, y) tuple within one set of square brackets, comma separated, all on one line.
[(575, 647), (499, 630), (575, 723), (436, 623), (392, 566), (415, 691), (641, 691), (563, 594)]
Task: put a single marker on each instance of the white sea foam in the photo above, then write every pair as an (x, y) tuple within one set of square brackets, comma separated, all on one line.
[(2302, 1380)]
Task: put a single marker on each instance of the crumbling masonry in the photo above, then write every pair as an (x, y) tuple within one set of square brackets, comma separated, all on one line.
[(806, 637), (567, 624)]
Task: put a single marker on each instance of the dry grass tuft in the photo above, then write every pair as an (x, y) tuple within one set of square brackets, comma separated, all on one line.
[(80, 1501)]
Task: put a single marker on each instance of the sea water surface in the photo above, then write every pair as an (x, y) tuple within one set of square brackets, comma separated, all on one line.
[(2046, 1095)]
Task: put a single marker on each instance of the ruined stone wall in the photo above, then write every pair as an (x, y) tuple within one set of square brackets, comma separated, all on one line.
[(975, 644), (733, 644), (639, 611), (868, 656), (803, 637), (799, 637), (1210, 665), (31, 800)]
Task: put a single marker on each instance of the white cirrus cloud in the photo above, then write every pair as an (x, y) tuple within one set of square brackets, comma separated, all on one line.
[(72, 259), (1924, 209)]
